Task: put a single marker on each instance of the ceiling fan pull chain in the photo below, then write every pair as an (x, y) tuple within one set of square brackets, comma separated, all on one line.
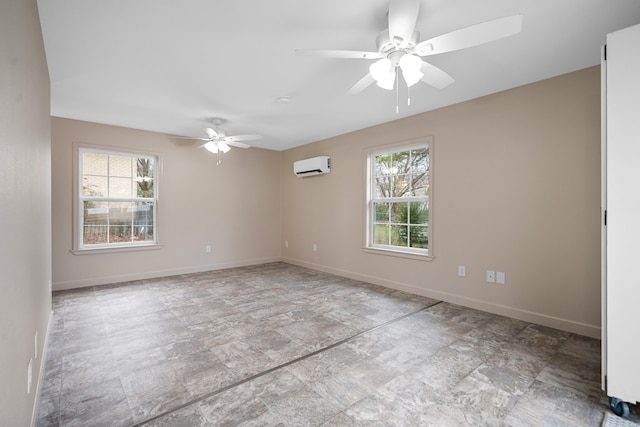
[(408, 96), (397, 93)]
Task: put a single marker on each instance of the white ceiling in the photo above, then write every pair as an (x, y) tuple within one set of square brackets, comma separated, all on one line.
[(171, 66)]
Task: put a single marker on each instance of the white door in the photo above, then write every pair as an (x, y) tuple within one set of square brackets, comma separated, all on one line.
[(623, 214)]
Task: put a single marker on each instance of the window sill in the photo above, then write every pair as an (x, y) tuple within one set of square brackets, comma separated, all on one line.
[(113, 250), (399, 254)]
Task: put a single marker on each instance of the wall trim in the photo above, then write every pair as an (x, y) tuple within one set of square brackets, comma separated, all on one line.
[(579, 328), (43, 360), (107, 280)]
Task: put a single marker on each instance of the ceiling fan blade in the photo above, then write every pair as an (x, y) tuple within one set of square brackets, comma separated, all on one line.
[(470, 36), (361, 85), (190, 137), (212, 133), (236, 138), (346, 54), (403, 15), (434, 76), (237, 144)]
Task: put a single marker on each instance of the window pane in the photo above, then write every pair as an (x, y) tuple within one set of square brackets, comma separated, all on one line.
[(383, 165), (96, 223), (400, 161), (142, 221), (94, 186), (144, 178), (420, 184), (389, 190), (399, 234), (399, 213), (120, 166), (401, 185), (120, 187), (418, 213), (120, 221), (419, 237), (381, 234), (382, 212), (95, 164), (419, 161), (384, 185)]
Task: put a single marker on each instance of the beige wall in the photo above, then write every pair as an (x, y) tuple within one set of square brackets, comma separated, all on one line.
[(234, 207), (515, 189), (25, 213)]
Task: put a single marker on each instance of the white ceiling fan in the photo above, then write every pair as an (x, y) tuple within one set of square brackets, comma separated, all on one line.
[(218, 142), (399, 48)]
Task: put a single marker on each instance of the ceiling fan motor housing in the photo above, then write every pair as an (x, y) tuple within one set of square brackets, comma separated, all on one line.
[(394, 49)]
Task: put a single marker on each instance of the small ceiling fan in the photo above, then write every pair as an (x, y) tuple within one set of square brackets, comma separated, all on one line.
[(399, 48), (218, 142)]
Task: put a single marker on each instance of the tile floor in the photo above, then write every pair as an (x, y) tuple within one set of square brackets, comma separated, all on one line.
[(281, 345)]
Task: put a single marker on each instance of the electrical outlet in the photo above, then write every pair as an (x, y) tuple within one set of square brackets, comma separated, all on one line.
[(207, 249), (500, 277), (462, 271), (286, 243), (29, 375), (315, 247), (491, 276)]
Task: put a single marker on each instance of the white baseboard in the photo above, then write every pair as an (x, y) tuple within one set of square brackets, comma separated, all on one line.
[(43, 360), (105, 280), (579, 328)]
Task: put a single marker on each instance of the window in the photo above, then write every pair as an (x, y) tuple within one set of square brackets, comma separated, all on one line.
[(398, 206), (117, 198)]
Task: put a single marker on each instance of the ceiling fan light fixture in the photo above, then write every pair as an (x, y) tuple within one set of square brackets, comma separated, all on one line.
[(211, 147), (381, 69), (412, 78), (223, 146), (411, 69), (384, 73), (388, 82)]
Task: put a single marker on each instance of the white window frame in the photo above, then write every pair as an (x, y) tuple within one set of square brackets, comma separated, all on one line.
[(400, 251), (79, 248)]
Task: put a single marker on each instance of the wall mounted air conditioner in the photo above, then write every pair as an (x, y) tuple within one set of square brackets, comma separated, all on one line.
[(313, 166)]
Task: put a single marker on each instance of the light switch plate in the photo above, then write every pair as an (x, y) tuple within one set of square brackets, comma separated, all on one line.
[(491, 276)]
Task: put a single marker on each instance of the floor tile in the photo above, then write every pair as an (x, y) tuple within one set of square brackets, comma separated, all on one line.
[(190, 416), (550, 405), (105, 404), (153, 390)]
